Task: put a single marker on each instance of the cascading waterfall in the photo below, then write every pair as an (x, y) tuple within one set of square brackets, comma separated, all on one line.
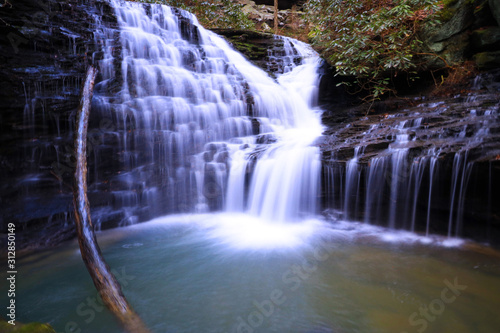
[(398, 152), (198, 127), (353, 182), (285, 177)]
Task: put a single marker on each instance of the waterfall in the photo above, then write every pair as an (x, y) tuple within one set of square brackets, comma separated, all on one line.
[(285, 176), (353, 182), (417, 170), (198, 127)]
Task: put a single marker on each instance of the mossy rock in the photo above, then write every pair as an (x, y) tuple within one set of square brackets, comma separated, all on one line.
[(460, 19), (495, 9), (252, 51), (487, 39), (5, 327), (252, 34), (252, 44), (487, 60), (448, 11)]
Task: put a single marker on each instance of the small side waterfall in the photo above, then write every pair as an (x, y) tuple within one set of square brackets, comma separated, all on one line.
[(199, 128), (409, 173)]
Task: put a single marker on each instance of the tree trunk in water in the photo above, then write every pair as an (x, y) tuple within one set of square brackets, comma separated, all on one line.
[(106, 284), (275, 17)]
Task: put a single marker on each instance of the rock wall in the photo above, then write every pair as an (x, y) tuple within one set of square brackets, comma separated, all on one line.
[(45, 49), (469, 31)]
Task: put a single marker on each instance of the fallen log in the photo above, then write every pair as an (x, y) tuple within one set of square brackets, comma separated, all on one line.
[(105, 282)]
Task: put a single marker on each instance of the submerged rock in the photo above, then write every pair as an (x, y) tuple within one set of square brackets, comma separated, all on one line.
[(25, 328)]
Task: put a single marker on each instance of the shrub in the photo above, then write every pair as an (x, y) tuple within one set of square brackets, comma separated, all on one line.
[(372, 40)]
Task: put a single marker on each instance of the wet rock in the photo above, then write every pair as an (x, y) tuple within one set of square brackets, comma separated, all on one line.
[(463, 128), (45, 49), (252, 44), (266, 139), (265, 50), (212, 190)]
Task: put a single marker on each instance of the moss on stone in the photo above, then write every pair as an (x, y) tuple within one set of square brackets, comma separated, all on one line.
[(252, 44), (36, 328), (449, 10), (251, 51), (5, 327), (487, 60), (447, 13)]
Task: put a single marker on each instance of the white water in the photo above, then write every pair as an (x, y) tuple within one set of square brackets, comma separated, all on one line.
[(286, 175), (202, 129)]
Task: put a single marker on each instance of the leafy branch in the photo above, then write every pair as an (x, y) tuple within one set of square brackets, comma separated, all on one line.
[(372, 40)]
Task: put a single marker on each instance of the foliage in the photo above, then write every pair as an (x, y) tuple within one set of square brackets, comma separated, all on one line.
[(372, 40), (212, 13)]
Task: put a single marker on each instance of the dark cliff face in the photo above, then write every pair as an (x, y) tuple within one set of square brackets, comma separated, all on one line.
[(45, 49)]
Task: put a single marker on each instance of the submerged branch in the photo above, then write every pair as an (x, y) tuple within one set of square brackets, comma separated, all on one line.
[(106, 284)]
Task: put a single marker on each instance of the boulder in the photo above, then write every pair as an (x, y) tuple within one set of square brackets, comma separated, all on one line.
[(495, 9), (487, 39), (252, 12), (25, 328), (469, 31), (487, 60), (450, 40), (459, 22)]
